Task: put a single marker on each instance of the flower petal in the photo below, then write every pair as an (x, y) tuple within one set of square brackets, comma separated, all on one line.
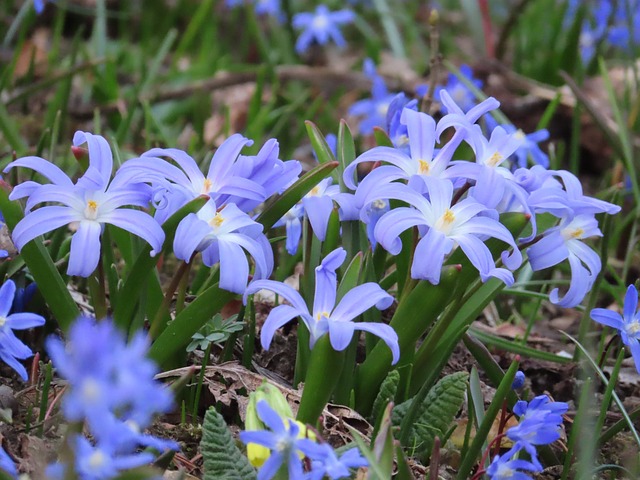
[(360, 299), (85, 249), (386, 333), (279, 316), (234, 266), (7, 293), (40, 222), (608, 318), (24, 320), (285, 291), (140, 224), (630, 303)]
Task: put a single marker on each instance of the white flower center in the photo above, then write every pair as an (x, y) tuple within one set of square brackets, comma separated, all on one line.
[(633, 328), (91, 390), (382, 109), (445, 222), (320, 22), (571, 233), (3, 321), (379, 204), (97, 460), (91, 210)]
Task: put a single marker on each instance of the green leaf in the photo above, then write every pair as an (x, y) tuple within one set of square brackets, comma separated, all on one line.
[(346, 152), (415, 314), (437, 411), (223, 460), (386, 394), (178, 333), (274, 210), (50, 282)]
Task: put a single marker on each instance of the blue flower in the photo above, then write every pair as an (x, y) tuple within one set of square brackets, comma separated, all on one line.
[(325, 462), (564, 242), (396, 128), (321, 26), (518, 381), (327, 317), (459, 92), (529, 147), (318, 205), (505, 467), (12, 349), (222, 236), (7, 465), (627, 324), (39, 5), (88, 205), (283, 441), (540, 422), (293, 225), (374, 109), (107, 376), (442, 226)]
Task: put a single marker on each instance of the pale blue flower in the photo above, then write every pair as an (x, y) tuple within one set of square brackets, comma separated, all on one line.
[(442, 226), (325, 462), (505, 467), (223, 236), (282, 439), (185, 182), (327, 317), (565, 242), (459, 92), (87, 206), (627, 324), (374, 109), (11, 348), (321, 26)]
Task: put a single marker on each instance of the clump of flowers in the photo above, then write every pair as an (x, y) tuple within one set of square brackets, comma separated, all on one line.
[(540, 423), (111, 389), (287, 442)]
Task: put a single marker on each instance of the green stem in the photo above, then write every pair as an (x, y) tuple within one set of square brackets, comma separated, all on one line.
[(156, 324), (487, 422), (98, 292), (320, 380), (196, 400)]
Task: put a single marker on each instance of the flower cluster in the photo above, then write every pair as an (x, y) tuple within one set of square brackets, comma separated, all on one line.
[(111, 388), (286, 445), (616, 23), (11, 348), (458, 203), (540, 423)]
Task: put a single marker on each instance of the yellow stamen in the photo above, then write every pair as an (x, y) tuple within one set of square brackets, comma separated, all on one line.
[(206, 186), (91, 212), (495, 159), (217, 220), (448, 217), (322, 314), (3, 320), (314, 191), (424, 167)]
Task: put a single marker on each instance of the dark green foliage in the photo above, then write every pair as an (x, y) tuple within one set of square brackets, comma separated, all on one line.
[(437, 411), (223, 460)]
